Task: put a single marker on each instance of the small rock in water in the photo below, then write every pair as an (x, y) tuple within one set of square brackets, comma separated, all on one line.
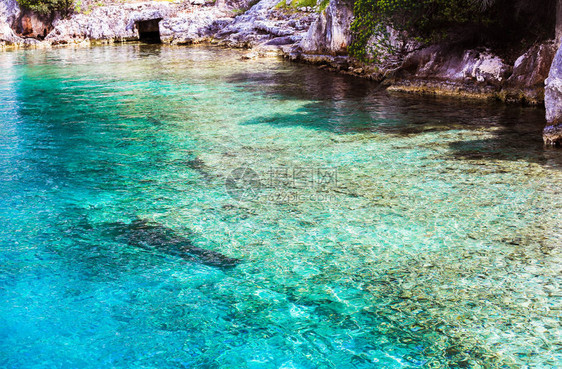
[(405, 295), (249, 56)]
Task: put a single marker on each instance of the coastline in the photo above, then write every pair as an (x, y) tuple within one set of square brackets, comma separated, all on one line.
[(308, 35)]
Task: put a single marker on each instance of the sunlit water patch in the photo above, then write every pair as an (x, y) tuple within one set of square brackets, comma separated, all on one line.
[(349, 228)]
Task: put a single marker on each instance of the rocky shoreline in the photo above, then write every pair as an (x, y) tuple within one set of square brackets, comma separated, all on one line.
[(311, 35)]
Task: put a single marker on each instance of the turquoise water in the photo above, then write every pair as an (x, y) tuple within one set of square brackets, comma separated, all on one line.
[(373, 231)]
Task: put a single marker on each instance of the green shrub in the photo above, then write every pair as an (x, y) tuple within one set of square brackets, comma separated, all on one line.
[(65, 7), (323, 5)]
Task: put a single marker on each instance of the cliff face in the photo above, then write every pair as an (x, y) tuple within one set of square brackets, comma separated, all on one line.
[(262, 25), (9, 12), (330, 32), (553, 90), (109, 23), (553, 103), (437, 69)]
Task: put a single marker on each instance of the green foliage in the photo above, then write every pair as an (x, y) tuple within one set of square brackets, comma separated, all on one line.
[(304, 3), (281, 5), (424, 19), (476, 21), (295, 4), (323, 5), (65, 7)]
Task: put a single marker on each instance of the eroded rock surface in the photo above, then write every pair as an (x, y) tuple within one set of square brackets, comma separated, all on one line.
[(529, 73), (440, 63), (9, 12), (553, 102), (264, 26), (193, 27), (231, 22), (111, 23), (330, 33)]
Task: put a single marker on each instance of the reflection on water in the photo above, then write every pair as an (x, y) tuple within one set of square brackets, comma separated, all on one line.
[(438, 245)]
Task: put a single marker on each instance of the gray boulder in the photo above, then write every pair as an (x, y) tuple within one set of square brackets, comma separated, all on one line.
[(441, 63)]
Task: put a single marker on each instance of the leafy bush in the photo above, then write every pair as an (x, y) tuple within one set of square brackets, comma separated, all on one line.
[(65, 7)]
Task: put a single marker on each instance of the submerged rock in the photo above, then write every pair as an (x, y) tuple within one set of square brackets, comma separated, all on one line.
[(152, 235), (553, 102)]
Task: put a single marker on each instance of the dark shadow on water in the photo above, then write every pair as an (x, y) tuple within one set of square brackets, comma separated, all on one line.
[(347, 105), (517, 135), (306, 82)]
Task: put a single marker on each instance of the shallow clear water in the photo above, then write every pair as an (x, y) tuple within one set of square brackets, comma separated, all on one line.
[(376, 231)]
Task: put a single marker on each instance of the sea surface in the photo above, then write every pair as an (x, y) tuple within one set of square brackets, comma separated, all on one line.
[(372, 230)]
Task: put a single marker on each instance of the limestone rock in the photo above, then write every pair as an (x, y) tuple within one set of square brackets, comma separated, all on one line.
[(115, 22), (26, 26), (9, 12), (330, 33), (32, 24), (262, 23), (244, 24), (193, 21), (553, 102), (529, 73), (532, 68), (442, 70), (438, 62), (192, 27)]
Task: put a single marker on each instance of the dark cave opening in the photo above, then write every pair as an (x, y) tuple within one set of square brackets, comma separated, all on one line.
[(149, 30)]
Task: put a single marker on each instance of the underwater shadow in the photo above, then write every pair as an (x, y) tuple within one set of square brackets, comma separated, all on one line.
[(344, 104), (347, 104), (518, 136)]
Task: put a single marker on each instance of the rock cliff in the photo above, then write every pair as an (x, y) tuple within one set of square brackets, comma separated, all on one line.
[(330, 32), (263, 25), (553, 102), (109, 23), (552, 134), (9, 12)]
